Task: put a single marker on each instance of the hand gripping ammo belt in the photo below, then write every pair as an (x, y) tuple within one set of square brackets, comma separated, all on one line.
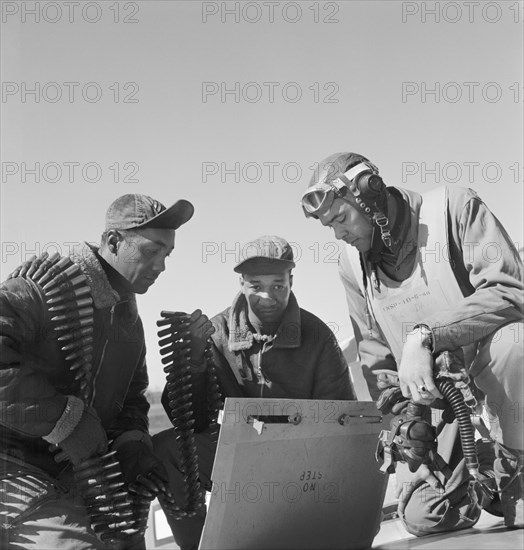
[(175, 347), (69, 301)]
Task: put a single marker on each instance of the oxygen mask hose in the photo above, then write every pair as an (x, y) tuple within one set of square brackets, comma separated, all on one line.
[(413, 440), (467, 432)]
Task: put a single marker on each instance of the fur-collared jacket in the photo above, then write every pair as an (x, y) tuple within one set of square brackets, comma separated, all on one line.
[(37, 395), (302, 361)]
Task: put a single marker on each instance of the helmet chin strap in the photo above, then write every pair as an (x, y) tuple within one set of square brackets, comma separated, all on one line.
[(380, 238), (373, 256)]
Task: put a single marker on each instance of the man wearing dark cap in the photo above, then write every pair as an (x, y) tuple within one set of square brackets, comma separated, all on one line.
[(72, 383), (265, 346), (434, 287)]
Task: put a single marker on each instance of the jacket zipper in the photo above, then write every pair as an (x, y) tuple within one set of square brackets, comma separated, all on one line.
[(260, 375), (102, 355)]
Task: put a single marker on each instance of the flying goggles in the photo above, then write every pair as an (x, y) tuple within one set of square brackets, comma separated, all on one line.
[(361, 180)]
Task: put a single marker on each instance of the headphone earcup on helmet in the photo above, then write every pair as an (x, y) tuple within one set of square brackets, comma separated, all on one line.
[(371, 186)]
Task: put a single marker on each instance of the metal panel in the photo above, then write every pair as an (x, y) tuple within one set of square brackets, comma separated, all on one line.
[(295, 474)]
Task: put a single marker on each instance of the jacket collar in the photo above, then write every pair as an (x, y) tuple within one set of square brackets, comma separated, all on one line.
[(406, 226), (103, 294), (241, 336)]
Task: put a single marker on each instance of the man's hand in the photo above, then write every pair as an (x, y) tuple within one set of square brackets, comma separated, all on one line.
[(22, 269), (87, 439), (415, 371), (192, 332), (143, 471), (200, 329)]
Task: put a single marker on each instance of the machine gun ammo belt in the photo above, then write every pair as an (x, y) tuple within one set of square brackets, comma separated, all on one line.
[(113, 513), (68, 299), (175, 347), (214, 396)]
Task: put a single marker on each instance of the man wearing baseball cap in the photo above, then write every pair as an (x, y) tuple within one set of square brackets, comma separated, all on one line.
[(264, 345), (73, 379)]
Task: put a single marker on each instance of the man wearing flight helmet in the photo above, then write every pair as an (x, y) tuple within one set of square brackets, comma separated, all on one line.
[(423, 286)]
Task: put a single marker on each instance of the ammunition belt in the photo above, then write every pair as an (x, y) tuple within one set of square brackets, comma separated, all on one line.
[(175, 347), (69, 301), (113, 513), (214, 396)]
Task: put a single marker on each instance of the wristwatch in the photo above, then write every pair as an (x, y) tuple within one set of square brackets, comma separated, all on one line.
[(427, 336)]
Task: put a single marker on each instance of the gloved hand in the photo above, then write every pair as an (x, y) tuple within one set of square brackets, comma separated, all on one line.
[(193, 331), (87, 439), (386, 378), (391, 400), (200, 329), (143, 471)]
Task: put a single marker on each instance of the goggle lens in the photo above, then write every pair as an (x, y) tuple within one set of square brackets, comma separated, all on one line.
[(314, 200)]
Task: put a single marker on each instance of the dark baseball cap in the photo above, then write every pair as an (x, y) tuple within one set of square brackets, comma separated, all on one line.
[(135, 211), (266, 255)]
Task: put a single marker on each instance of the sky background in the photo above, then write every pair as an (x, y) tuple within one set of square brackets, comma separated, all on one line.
[(346, 76)]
